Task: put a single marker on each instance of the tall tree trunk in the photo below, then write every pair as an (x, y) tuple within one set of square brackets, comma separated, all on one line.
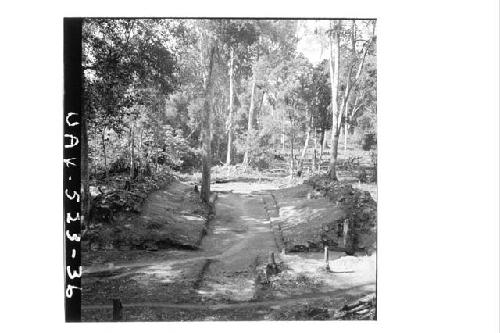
[(353, 59), (259, 111), (346, 123), (250, 121), (334, 81), (346, 130), (206, 130), (335, 145), (303, 155), (315, 160), (283, 134), (217, 149), (229, 146), (131, 174), (230, 117), (156, 163), (103, 137), (322, 147), (306, 143), (292, 161), (147, 164), (139, 155), (94, 169), (354, 109)]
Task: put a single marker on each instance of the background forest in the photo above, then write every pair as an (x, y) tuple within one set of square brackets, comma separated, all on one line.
[(166, 95)]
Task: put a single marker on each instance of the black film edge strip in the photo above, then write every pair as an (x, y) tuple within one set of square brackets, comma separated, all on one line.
[(72, 167)]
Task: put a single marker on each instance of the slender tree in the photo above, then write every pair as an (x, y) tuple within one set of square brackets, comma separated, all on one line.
[(340, 110), (206, 152), (231, 101), (353, 59), (334, 41)]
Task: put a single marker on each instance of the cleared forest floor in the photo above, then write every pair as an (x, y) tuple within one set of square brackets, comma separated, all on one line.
[(225, 279)]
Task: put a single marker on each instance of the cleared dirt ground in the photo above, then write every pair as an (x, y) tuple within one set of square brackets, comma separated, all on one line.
[(225, 279)]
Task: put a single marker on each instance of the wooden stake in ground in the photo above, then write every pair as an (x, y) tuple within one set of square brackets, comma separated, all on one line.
[(117, 310), (271, 268), (327, 265)]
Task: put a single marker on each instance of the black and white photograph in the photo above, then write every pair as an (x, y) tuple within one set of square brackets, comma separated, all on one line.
[(228, 169), (264, 166)]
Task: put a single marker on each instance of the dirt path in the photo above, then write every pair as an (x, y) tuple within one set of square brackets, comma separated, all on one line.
[(242, 237), (239, 231), (221, 270), (221, 275)]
